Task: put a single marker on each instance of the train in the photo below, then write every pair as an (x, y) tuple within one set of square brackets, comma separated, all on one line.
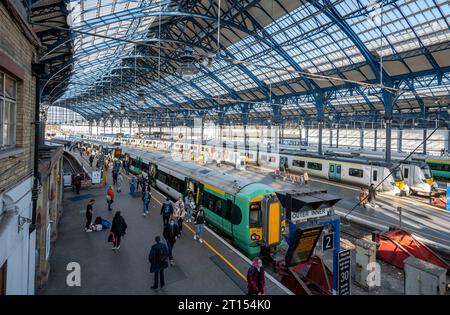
[(248, 212), (350, 170)]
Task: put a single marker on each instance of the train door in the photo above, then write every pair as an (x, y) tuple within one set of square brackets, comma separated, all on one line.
[(283, 163), (271, 220), (375, 176), (334, 172), (408, 174), (196, 188), (227, 206)]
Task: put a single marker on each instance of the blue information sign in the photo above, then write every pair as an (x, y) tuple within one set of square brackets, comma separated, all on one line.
[(448, 196)]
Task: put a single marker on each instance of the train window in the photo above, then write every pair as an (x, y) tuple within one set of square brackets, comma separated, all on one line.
[(175, 183), (162, 177), (212, 203), (315, 166), (375, 176), (236, 215), (298, 163), (226, 210), (332, 168), (355, 172), (255, 214), (406, 173)]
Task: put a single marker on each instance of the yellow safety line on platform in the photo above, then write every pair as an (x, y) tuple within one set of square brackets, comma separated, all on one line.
[(214, 250)]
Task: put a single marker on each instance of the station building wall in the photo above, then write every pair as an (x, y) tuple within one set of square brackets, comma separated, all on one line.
[(17, 245)]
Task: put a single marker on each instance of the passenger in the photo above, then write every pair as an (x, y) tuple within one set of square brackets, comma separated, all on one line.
[(170, 233), (256, 278), (118, 228), (77, 183), (146, 200), (189, 205), (363, 197), (158, 261), (179, 214), (306, 177), (119, 182), (91, 160), (110, 197), (372, 195), (133, 183), (199, 223), (140, 181), (114, 177), (89, 214), (166, 211)]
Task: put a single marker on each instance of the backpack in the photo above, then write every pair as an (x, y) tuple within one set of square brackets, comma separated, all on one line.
[(161, 255), (106, 224), (98, 220), (166, 208)]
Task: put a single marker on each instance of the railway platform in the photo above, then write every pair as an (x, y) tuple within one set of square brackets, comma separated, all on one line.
[(209, 268)]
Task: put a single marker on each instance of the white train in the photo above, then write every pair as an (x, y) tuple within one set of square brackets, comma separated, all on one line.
[(350, 170)]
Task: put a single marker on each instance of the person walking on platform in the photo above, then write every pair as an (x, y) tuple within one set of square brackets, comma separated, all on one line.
[(372, 195), (110, 197), (189, 205), (306, 178), (363, 197), (170, 233), (158, 262), (89, 214), (140, 182), (133, 183), (179, 214), (256, 278), (118, 228), (199, 223), (114, 177), (146, 200), (77, 183), (166, 211), (91, 160), (119, 183)]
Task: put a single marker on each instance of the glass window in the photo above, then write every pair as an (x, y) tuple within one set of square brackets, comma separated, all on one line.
[(8, 95), (255, 215), (406, 175), (355, 172), (298, 163), (315, 166), (375, 175), (10, 88), (162, 177)]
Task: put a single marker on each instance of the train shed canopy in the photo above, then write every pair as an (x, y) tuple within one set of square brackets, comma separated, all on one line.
[(259, 60)]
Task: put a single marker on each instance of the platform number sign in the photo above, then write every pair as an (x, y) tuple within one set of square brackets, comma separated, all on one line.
[(344, 272), (328, 242)]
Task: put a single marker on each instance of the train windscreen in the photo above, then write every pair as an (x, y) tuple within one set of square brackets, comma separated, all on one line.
[(255, 214), (426, 171), (397, 174)]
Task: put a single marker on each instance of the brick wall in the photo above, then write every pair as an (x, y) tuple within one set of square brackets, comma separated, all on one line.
[(15, 45)]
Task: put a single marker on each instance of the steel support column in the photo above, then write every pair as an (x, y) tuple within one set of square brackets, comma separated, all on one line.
[(319, 148), (337, 136), (307, 136), (388, 107), (424, 141), (375, 136), (448, 141), (399, 139), (331, 137), (361, 138)]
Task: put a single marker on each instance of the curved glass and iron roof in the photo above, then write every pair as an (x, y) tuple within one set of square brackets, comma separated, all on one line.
[(291, 58)]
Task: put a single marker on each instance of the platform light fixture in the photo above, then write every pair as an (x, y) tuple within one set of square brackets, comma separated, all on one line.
[(122, 109)]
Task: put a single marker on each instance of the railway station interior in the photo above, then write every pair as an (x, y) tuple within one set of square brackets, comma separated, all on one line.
[(224, 147)]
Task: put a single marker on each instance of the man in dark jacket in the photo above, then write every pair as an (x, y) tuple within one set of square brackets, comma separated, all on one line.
[(158, 261), (170, 234), (118, 228), (166, 211)]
